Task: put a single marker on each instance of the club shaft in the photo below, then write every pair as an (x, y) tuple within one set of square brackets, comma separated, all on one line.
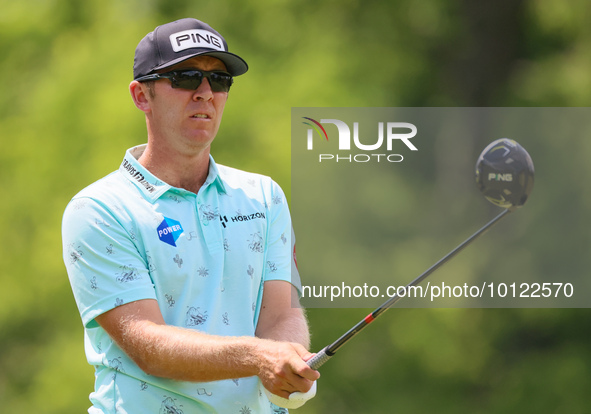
[(326, 353)]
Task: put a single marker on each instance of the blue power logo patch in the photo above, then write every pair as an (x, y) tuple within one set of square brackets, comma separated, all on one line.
[(169, 231)]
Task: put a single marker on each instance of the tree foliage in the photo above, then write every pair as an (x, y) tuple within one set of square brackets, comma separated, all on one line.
[(66, 119)]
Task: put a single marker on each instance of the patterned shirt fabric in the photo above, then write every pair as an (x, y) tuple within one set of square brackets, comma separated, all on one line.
[(204, 257)]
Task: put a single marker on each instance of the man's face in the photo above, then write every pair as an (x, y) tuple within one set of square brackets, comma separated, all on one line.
[(187, 120)]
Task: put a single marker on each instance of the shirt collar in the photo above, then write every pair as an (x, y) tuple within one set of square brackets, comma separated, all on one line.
[(150, 186), (214, 176)]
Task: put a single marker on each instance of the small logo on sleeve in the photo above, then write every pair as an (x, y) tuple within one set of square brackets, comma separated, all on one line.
[(169, 231)]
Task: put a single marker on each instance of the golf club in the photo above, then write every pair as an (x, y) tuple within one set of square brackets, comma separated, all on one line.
[(505, 175)]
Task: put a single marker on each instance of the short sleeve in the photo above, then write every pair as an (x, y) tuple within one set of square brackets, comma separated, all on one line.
[(104, 265), (280, 255)]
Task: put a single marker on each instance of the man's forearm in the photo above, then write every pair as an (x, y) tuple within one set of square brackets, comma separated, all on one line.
[(177, 353), (281, 318), (185, 355), (291, 326)]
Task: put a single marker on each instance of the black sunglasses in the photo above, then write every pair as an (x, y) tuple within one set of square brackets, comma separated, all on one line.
[(191, 79)]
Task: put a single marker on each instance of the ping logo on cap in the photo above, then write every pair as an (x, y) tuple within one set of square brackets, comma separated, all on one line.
[(188, 39), (169, 231)]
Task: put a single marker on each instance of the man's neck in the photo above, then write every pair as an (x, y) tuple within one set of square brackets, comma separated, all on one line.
[(178, 170)]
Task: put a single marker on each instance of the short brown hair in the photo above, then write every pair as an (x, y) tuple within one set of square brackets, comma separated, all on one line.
[(150, 85)]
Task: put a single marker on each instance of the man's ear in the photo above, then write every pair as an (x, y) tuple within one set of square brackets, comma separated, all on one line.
[(140, 95)]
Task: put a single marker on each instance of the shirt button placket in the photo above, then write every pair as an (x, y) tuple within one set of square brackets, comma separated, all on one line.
[(211, 233)]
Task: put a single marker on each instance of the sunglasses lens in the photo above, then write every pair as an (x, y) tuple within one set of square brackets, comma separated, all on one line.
[(220, 82), (191, 79)]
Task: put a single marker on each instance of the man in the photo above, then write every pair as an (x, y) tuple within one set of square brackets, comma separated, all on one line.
[(182, 269)]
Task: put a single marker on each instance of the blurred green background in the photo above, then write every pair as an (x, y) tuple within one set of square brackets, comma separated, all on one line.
[(66, 119)]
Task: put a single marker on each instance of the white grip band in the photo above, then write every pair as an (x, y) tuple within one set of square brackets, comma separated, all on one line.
[(296, 399)]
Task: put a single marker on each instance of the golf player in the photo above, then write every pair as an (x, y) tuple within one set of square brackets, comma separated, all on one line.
[(183, 269)]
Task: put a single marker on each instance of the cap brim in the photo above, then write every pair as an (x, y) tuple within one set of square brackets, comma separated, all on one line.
[(234, 64)]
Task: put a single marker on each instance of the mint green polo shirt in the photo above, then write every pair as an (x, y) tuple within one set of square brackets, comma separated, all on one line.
[(204, 257)]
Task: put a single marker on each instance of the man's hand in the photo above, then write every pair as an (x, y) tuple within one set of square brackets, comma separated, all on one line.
[(283, 370)]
